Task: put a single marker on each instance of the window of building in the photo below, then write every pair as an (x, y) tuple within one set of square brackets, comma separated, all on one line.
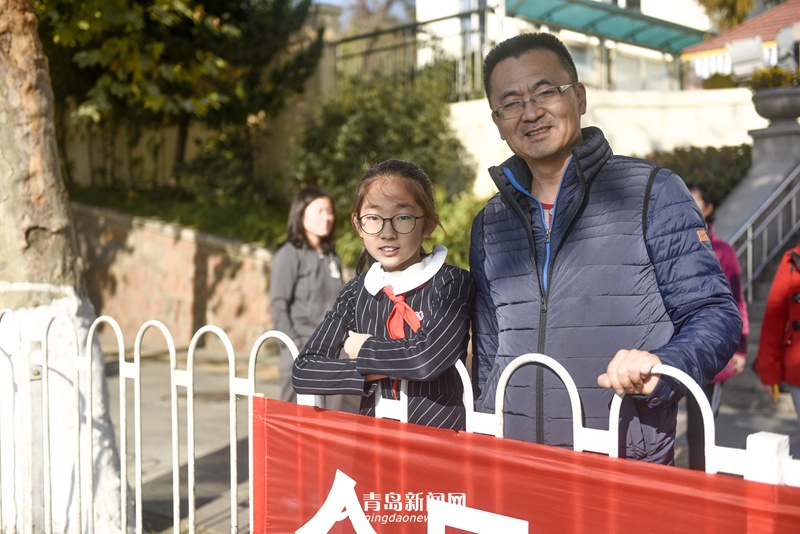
[(634, 5), (632, 73), (585, 58), (626, 73), (656, 75)]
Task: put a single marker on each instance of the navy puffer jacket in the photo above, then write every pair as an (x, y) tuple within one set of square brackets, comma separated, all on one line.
[(590, 287)]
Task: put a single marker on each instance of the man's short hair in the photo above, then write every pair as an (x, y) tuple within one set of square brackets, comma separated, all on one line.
[(522, 44)]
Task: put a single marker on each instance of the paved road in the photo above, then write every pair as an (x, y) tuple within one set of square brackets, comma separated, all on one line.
[(745, 410)]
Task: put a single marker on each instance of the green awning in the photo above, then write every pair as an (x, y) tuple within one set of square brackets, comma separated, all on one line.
[(607, 22)]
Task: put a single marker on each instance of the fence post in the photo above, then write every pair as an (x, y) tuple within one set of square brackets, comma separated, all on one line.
[(30, 446), (766, 453)]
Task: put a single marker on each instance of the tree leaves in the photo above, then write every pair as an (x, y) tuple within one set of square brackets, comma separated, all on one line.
[(370, 120), (156, 63), (161, 60)]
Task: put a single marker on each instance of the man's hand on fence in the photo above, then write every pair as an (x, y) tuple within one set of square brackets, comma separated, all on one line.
[(629, 373)]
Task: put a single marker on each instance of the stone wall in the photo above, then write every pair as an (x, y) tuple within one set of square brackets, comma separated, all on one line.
[(138, 269)]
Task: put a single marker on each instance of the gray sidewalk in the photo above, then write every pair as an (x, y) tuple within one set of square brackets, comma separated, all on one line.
[(745, 410), (211, 421)]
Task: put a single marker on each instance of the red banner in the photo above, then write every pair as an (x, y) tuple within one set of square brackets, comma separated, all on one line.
[(320, 471)]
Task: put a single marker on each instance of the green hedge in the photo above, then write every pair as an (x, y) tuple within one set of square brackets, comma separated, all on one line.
[(719, 169)]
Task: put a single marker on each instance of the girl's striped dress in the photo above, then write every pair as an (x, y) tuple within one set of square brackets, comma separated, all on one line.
[(441, 297)]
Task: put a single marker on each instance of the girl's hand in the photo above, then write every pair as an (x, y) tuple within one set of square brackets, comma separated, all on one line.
[(353, 344), (738, 361)]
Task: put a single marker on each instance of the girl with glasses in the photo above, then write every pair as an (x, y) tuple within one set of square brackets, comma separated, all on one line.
[(405, 316)]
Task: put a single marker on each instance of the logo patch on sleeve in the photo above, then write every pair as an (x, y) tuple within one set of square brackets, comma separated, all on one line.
[(703, 236)]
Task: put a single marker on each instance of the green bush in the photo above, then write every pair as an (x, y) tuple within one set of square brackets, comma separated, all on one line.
[(371, 120), (773, 77), (719, 169), (457, 214), (241, 218), (214, 193)]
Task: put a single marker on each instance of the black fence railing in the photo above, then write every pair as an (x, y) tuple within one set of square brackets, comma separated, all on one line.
[(400, 52)]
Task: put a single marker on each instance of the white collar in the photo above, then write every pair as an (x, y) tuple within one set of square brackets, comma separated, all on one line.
[(406, 280)]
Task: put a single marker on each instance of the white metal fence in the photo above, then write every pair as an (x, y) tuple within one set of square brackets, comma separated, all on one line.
[(27, 373)]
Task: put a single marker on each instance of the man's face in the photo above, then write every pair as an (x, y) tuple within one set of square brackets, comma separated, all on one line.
[(541, 135)]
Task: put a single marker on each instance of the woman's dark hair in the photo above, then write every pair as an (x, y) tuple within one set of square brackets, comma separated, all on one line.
[(520, 45), (295, 232), (415, 181)]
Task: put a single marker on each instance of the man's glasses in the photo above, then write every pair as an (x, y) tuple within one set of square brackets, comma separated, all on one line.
[(543, 98), (403, 223)]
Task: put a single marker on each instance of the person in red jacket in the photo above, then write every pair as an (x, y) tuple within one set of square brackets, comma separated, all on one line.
[(778, 357)]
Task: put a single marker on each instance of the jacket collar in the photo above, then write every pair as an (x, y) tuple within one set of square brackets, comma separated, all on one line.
[(592, 154), (587, 160)]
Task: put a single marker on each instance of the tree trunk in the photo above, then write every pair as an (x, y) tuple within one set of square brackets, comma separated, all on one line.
[(40, 278), (35, 236)]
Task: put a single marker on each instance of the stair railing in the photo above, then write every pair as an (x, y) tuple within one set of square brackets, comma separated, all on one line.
[(764, 235)]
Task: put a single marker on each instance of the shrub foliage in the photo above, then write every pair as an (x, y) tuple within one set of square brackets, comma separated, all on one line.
[(719, 169), (374, 119)]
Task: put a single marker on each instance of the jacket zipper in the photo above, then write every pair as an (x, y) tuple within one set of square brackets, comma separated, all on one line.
[(544, 291), (542, 336), (543, 310), (496, 173)]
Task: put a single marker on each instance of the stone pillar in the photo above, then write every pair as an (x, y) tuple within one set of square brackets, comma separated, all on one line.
[(776, 152)]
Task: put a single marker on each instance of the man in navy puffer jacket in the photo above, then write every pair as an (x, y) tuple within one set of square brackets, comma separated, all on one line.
[(593, 259)]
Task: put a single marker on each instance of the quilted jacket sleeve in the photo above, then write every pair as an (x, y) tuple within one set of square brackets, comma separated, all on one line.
[(705, 316), (484, 320)]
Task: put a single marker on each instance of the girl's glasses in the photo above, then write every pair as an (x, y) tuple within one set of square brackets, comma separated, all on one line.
[(402, 223)]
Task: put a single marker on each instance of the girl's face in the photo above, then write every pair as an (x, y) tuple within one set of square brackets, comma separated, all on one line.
[(318, 220), (393, 250)]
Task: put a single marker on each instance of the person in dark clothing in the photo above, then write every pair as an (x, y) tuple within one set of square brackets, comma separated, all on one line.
[(406, 318), (599, 261)]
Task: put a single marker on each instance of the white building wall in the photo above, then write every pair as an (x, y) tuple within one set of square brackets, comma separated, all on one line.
[(684, 12)]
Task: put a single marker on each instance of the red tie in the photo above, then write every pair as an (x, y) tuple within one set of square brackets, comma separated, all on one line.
[(401, 313)]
